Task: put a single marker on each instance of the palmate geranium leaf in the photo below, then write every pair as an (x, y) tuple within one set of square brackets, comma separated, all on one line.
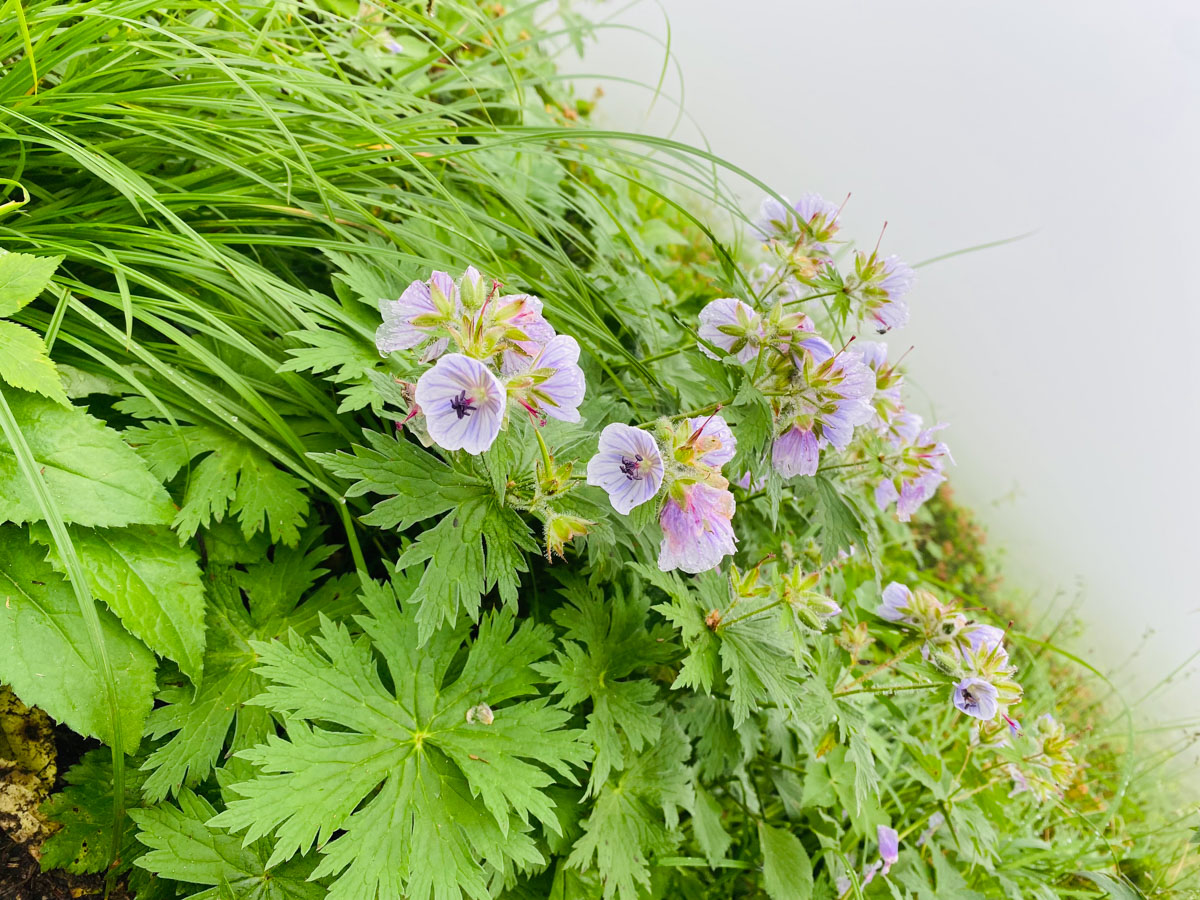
[(606, 641), (183, 848), (754, 655), (417, 484), (636, 816), (406, 788), (233, 476), (261, 603)]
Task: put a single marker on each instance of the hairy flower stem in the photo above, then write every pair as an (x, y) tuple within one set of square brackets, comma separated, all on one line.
[(886, 664), (890, 689), (754, 612)]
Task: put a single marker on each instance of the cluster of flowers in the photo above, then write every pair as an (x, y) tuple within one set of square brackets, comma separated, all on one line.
[(1050, 768), (507, 356), (679, 463), (820, 395), (971, 651)]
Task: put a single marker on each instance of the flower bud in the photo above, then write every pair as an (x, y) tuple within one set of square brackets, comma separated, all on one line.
[(560, 529)]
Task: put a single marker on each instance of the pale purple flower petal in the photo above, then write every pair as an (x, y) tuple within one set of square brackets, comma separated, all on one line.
[(897, 280), (982, 637), (628, 465), (976, 697), (724, 313), (698, 534), (795, 452), (896, 600), (398, 331), (889, 846), (936, 821), (560, 394), (811, 205), (463, 403), (716, 442), (773, 218)]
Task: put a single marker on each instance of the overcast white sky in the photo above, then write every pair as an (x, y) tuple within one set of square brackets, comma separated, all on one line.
[(1067, 362)]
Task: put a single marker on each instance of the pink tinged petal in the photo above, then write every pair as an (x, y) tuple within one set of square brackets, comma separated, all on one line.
[(564, 389), (699, 534), (463, 403), (898, 278), (397, 331), (795, 452), (628, 465), (724, 312), (874, 353), (976, 697), (716, 434), (524, 311), (886, 494), (896, 600)]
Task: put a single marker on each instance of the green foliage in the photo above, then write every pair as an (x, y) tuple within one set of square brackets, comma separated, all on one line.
[(444, 785), (221, 195), (83, 812), (46, 652), (182, 847), (93, 476), (149, 582)]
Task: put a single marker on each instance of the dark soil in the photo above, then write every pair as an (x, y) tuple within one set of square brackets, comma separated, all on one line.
[(21, 878)]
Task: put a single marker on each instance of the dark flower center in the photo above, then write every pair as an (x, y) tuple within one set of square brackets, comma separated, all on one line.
[(462, 404), (969, 698), (631, 466)]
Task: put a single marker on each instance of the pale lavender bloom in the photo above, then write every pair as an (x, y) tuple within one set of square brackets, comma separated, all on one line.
[(393, 46), (811, 205), (889, 846), (698, 534), (936, 821), (903, 428), (557, 383), (897, 599), (777, 219), (463, 403), (796, 452), (731, 314), (919, 476), (976, 697), (774, 218), (897, 280), (815, 346), (628, 465), (982, 637), (842, 884), (874, 353), (416, 315), (714, 440)]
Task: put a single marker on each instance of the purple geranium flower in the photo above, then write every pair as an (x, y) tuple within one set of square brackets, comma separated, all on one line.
[(463, 403), (783, 220), (976, 697), (552, 382), (898, 279), (918, 475), (983, 638), (697, 532), (897, 599), (713, 439), (796, 452), (628, 465), (732, 325), (417, 316)]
